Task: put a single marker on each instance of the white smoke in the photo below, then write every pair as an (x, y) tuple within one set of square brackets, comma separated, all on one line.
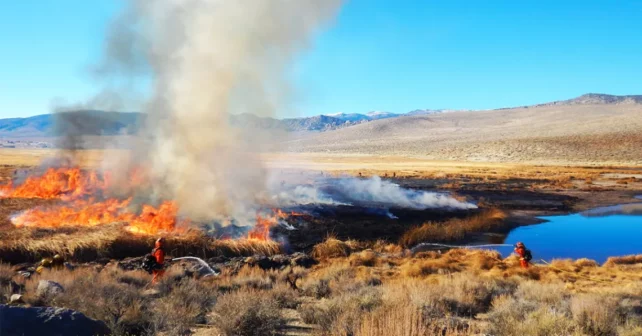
[(375, 190), (208, 60), (372, 192)]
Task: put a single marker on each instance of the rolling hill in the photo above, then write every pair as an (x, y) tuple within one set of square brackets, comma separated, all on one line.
[(590, 128), (77, 122)]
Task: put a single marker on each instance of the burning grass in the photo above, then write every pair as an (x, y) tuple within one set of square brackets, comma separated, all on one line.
[(453, 229), (83, 200)]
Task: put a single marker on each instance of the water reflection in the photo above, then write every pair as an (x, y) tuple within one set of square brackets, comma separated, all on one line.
[(634, 209)]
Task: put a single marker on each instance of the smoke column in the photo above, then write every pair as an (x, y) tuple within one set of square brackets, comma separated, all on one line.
[(207, 60)]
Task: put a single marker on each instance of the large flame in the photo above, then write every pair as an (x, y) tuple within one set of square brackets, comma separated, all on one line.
[(62, 183), (84, 202)]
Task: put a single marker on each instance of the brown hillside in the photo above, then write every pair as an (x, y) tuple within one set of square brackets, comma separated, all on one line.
[(596, 133)]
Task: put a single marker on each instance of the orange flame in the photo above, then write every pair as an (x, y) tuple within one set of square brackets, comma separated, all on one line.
[(63, 183), (80, 191), (264, 223), (261, 231), (84, 202)]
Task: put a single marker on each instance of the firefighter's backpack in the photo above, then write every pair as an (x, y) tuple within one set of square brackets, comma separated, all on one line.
[(149, 263)]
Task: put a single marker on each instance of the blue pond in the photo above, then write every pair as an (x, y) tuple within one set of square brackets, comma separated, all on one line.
[(596, 234)]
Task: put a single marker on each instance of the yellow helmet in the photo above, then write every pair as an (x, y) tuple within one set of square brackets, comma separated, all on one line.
[(57, 258), (46, 262), (40, 269)]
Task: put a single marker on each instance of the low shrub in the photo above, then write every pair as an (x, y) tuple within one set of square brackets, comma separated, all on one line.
[(248, 313), (284, 296), (511, 316), (331, 248), (364, 258), (596, 315), (186, 304), (98, 295)]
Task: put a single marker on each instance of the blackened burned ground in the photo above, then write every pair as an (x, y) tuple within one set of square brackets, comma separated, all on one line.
[(350, 222), (523, 200)]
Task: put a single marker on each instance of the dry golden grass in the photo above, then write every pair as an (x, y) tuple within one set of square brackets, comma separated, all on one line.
[(247, 313), (112, 241), (625, 260), (458, 173), (457, 292), (453, 229), (396, 319), (579, 275), (33, 157), (331, 248), (413, 167), (584, 262), (364, 258)]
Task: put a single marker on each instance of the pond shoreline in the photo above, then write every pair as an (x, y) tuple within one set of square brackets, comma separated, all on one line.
[(528, 217)]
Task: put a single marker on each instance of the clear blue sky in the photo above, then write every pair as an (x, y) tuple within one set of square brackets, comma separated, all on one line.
[(380, 54)]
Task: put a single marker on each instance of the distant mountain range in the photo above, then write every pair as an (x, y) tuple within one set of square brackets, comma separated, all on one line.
[(591, 129), (76, 122), (90, 122), (93, 122)]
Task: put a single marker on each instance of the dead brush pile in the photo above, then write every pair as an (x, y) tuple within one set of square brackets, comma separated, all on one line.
[(112, 241), (454, 229)]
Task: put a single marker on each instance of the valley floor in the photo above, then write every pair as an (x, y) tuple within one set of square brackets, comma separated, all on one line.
[(347, 285)]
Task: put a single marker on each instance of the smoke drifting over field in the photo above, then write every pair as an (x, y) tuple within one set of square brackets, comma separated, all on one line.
[(364, 192), (210, 59), (203, 61)]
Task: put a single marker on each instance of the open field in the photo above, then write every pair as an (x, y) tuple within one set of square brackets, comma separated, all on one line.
[(521, 191), (546, 188), (384, 165), (347, 272)]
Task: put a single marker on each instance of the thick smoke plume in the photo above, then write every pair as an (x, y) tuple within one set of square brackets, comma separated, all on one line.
[(207, 60), (204, 61)]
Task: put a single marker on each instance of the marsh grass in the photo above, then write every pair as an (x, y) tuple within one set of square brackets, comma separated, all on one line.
[(453, 229)]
